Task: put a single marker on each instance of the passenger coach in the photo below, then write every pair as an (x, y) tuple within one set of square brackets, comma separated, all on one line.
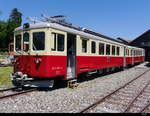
[(48, 50)]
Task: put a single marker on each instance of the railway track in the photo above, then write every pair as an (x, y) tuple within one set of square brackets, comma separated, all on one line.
[(14, 91), (5, 65), (126, 98)]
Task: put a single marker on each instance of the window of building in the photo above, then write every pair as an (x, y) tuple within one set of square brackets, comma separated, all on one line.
[(18, 42), (113, 50), (93, 47), (107, 49), (101, 48)]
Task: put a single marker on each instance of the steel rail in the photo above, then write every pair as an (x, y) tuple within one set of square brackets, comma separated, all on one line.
[(131, 103), (16, 94), (2, 90), (146, 106), (107, 96), (5, 65)]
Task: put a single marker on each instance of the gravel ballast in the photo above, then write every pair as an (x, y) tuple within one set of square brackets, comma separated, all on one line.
[(66, 100)]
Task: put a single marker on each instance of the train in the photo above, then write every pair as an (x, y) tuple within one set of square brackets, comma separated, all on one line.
[(52, 48)]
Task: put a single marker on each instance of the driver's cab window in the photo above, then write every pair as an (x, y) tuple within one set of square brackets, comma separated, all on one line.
[(18, 42), (26, 41)]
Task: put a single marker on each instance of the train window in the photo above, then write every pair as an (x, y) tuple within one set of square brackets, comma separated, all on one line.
[(128, 52), (107, 49), (53, 41), (38, 41), (113, 50), (131, 53), (11, 49), (84, 45), (101, 48), (26, 41), (118, 51), (58, 42), (18, 42), (139, 53), (93, 47)]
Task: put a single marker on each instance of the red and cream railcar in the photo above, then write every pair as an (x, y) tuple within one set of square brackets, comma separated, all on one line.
[(45, 51)]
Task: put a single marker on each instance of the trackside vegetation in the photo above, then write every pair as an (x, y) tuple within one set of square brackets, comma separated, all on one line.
[(5, 80)]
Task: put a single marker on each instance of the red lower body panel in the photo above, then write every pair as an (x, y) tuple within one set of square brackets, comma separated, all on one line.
[(138, 59), (129, 60), (49, 66), (88, 63), (52, 66)]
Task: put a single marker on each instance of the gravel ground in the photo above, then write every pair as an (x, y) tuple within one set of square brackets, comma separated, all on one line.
[(65, 100), (132, 90)]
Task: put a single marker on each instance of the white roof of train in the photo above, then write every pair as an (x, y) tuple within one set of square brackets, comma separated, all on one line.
[(70, 30)]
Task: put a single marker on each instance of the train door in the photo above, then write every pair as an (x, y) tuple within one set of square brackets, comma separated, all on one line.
[(132, 55), (71, 56), (124, 58)]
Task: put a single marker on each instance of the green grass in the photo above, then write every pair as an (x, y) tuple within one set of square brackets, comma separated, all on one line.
[(3, 53), (5, 80)]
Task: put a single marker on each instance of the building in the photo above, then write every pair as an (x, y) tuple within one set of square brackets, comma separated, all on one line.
[(124, 41), (143, 41)]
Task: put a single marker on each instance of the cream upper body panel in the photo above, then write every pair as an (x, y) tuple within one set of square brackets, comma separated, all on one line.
[(50, 28)]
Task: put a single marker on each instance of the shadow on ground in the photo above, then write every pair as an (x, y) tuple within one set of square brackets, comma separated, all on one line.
[(58, 84), (148, 64)]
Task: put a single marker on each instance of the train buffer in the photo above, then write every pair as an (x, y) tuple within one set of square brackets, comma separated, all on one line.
[(72, 84)]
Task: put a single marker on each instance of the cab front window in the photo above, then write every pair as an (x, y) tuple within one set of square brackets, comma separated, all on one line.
[(26, 41), (18, 42), (38, 41)]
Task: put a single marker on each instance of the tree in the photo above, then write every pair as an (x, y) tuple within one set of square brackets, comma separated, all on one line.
[(7, 28), (9, 31), (14, 21), (16, 17), (2, 34)]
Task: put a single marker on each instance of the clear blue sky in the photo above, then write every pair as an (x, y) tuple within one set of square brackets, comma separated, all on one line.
[(115, 18)]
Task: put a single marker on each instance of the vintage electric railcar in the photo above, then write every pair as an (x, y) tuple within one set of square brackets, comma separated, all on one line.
[(48, 50)]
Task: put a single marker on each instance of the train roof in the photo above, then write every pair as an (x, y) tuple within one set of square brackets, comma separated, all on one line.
[(70, 30)]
